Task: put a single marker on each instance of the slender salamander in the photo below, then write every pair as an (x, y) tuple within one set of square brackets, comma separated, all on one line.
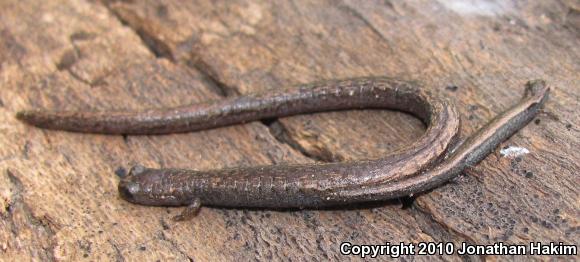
[(435, 158)]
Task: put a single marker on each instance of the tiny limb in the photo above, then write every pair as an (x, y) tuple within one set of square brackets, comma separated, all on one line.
[(190, 211)]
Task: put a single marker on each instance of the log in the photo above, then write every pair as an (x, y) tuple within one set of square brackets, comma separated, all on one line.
[(58, 189)]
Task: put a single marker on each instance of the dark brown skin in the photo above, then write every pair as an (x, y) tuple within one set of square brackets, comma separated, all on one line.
[(431, 161)]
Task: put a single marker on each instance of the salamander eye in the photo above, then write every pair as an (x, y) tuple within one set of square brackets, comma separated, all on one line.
[(128, 190), (137, 170)]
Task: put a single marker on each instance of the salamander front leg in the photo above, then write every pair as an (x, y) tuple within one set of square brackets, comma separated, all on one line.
[(190, 211)]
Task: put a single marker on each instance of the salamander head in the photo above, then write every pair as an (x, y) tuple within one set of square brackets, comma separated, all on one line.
[(138, 187)]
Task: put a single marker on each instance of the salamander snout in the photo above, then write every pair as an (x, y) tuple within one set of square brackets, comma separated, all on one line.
[(143, 186), (128, 190)]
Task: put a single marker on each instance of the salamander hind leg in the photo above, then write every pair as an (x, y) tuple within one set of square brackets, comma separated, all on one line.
[(190, 211)]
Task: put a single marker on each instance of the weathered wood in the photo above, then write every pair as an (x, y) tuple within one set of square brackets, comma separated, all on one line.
[(480, 55), (58, 189)]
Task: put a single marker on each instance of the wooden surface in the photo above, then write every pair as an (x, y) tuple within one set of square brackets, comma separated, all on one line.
[(58, 189)]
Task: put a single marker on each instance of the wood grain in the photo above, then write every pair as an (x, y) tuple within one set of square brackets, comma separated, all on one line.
[(58, 189), (478, 57)]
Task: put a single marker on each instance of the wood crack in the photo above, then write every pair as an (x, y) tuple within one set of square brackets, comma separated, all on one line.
[(70, 58), (161, 49), (211, 78), (157, 46), (19, 218), (282, 135)]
